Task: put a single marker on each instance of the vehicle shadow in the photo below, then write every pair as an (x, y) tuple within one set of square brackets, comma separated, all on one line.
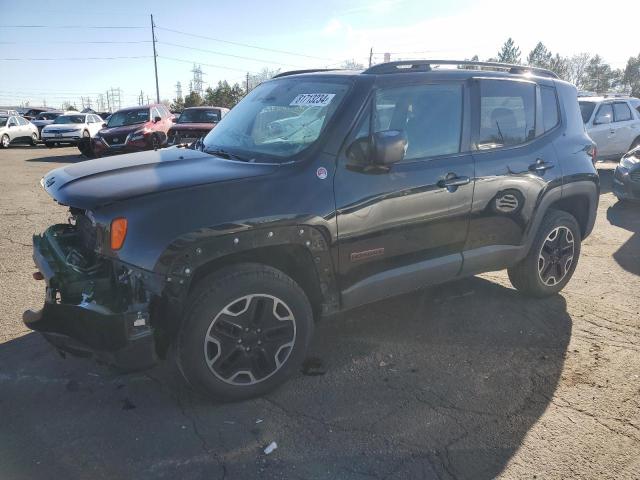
[(52, 158), (627, 215), (442, 383), (605, 172)]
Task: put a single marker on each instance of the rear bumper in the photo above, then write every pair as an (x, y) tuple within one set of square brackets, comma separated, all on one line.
[(624, 186), (89, 311)]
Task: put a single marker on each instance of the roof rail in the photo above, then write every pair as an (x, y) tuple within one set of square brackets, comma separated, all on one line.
[(310, 70), (425, 66)]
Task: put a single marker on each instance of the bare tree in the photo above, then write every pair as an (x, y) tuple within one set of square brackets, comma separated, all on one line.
[(577, 69)]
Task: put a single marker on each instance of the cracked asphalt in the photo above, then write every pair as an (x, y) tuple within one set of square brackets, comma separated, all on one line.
[(463, 381)]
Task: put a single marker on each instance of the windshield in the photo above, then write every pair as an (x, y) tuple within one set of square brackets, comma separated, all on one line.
[(278, 118), (200, 116), (128, 117), (69, 119), (47, 116), (3, 121), (586, 108)]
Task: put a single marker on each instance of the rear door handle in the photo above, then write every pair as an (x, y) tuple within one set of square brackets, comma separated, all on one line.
[(540, 166), (452, 180)]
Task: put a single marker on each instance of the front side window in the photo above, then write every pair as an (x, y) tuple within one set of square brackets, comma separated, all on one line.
[(605, 111), (621, 112), (128, 117), (279, 118), (430, 116), (507, 113), (22, 121)]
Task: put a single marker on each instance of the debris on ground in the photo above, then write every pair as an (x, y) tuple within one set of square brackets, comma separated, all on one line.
[(270, 448)]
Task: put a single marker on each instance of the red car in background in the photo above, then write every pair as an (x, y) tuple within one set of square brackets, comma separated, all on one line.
[(195, 122), (134, 129)]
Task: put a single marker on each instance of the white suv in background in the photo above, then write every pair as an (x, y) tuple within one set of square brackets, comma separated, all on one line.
[(613, 123), (71, 128)]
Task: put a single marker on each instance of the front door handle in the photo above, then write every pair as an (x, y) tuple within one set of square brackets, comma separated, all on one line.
[(540, 166), (452, 181)]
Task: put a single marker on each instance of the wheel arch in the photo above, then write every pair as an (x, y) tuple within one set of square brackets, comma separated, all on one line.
[(300, 251)]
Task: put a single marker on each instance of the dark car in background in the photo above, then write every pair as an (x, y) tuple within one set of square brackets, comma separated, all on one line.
[(194, 123), (134, 129), (45, 118), (34, 112), (626, 179)]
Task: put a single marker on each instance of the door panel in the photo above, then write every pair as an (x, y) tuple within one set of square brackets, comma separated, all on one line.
[(624, 125), (512, 174), (391, 220)]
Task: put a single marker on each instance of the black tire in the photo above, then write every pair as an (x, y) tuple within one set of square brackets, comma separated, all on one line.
[(48, 144), (154, 143), (34, 139), (5, 141), (243, 365), (527, 275), (86, 134)]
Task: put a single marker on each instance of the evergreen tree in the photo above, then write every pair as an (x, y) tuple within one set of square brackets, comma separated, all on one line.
[(540, 56), (509, 53)]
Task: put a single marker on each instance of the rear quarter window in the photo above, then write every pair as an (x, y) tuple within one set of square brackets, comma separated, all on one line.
[(550, 116), (621, 112)]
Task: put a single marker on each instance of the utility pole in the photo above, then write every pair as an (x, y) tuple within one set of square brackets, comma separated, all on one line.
[(108, 102), (178, 91), (247, 90), (370, 56), (155, 58)]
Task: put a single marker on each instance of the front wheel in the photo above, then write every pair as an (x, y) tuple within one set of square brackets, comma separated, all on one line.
[(245, 332), (552, 259), (5, 141)]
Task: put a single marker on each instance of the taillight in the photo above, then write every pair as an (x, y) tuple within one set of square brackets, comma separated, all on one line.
[(593, 151), (118, 232)]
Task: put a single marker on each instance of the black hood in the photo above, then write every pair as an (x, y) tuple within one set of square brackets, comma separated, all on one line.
[(94, 183)]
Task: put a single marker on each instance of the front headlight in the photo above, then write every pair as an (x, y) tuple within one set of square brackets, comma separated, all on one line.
[(138, 135)]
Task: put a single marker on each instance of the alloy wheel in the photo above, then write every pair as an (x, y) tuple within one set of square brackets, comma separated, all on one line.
[(5, 141), (556, 256), (250, 339)]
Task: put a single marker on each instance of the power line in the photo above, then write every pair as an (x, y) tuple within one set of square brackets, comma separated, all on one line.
[(199, 63), (72, 26), (227, 54), (75, 42), (72, 58), (242, 44)]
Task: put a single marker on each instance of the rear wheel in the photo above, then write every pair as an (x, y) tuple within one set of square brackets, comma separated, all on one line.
[(246, 331), (552, 258), (5, 141), (34, 139)]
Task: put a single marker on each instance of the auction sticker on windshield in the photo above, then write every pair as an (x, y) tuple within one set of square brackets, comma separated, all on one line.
[(312, 100)]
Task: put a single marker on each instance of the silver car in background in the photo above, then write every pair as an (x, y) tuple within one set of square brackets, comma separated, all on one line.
[(613, 123), (17, 129)]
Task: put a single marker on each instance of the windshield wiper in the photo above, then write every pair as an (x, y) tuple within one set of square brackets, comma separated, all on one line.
[(220, 152)]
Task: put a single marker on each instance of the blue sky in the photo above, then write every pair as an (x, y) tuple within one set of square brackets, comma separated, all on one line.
[(329, 32)]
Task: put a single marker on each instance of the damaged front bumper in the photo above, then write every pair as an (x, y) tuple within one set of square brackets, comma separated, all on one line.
[(94, 305)]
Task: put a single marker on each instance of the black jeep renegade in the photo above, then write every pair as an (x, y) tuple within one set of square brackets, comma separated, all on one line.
[(320, 191)]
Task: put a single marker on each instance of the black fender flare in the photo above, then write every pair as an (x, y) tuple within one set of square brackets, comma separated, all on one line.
[(182, 259), (589, 188)]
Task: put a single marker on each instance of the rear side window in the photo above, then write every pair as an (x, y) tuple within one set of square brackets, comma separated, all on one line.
[(507, 113), (604, 111), (430, 116), (550, 116), (621, 112)]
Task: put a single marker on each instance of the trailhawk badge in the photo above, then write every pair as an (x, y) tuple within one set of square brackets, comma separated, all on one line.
[(321, 173)]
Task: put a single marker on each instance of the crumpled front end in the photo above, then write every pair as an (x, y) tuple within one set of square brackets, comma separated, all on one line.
[(94, 304)]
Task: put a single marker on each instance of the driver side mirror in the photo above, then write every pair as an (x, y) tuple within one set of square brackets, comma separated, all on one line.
[(104, 124), (602, 119), (380, 150), (157, 119)]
